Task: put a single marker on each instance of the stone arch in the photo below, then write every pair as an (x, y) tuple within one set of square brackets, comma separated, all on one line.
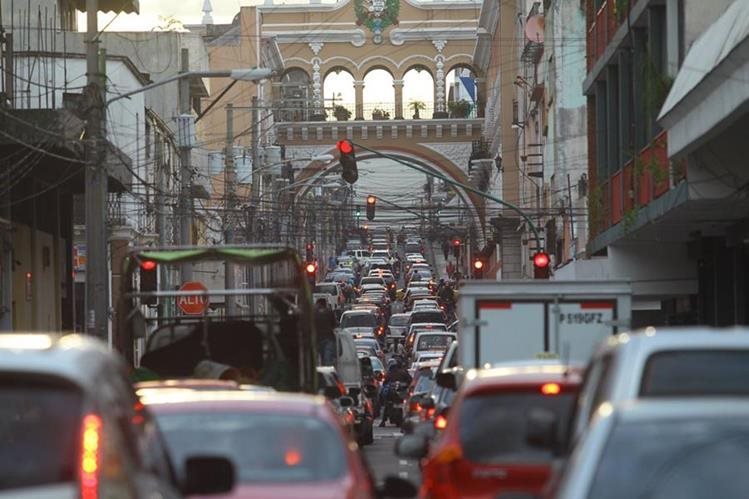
[(380, 64), (415, 91), (341, 94), (333, 63), (378, 93), (455, 90)]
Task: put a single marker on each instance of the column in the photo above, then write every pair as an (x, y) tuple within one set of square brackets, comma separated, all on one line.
[(359, 89), (318, 111), (398, 86), (480, 97), (439, 87)]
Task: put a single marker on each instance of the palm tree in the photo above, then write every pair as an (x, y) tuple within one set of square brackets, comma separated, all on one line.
[(417, 106)]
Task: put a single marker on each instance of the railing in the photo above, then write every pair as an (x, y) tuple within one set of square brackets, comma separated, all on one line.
[(371, 111), (639, 182), (605, 23)]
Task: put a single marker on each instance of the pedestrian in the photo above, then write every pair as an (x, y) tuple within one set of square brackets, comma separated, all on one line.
[(325, 324)]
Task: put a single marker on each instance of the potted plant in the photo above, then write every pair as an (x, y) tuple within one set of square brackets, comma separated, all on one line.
[(380, 114), (459, 109), (416, 106), (341, 113)]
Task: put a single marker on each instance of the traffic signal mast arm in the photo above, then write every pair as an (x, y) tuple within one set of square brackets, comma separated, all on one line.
[(468, 188)]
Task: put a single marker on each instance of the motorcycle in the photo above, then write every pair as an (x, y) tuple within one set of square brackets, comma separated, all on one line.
[(394, 400)]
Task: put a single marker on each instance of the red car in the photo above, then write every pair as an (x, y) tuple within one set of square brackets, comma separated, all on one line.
[(281, 445), (500, 433)]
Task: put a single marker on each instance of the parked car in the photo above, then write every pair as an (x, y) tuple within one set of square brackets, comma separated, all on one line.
[(688, 448), (670, 362), (498, 436), (69, 418)]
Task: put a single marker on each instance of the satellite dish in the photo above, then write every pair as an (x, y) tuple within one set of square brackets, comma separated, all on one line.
[(534, 29)]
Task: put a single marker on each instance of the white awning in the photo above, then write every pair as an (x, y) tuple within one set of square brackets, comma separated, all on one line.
[(712, 82)]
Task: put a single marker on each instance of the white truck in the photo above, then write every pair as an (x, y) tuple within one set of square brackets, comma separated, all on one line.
[(518, 320)]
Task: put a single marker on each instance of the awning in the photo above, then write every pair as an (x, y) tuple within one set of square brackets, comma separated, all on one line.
[(126, 6), (711, 84)]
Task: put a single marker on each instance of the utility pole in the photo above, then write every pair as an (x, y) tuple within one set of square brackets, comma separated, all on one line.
[(97, 268), (230, 177), (185, 159)]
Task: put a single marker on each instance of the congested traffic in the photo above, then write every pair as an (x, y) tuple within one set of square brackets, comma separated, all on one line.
[(424, 387)]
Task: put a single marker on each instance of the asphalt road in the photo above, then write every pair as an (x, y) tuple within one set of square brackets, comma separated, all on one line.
[(383, 461)]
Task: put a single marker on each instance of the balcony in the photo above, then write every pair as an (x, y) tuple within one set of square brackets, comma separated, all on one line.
[(637, 184), (604, 25)]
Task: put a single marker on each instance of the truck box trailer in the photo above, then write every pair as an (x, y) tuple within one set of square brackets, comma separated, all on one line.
[(518, 320)]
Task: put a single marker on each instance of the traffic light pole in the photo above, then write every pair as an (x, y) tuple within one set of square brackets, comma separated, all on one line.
[(468, 188)]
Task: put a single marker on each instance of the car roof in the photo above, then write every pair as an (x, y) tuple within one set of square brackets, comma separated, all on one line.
[(523, 373), (75, 358), (188, 383), (359, 311), (210, 400), (652, 339)]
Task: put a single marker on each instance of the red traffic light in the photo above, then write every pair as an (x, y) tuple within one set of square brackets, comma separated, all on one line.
[(148, 265), (310, 268), (456, 242), (345, 146), (478, 264), (541, 260), (371, 199)]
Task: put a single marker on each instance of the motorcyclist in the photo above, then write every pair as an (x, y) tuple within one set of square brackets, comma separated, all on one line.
[(396, 373)]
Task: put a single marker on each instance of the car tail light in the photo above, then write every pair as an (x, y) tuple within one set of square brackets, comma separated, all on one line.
[(430, 413), (551, 389), (440, 422), (414, 407), (90, 461)]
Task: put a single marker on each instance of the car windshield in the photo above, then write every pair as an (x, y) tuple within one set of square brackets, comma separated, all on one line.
[(424, 383), (688, 459), (358, 320), (433, 342), (329, 289), (264, 447), (399, 320), (368, 343), (494, 425), (696, 372), (39, 430)]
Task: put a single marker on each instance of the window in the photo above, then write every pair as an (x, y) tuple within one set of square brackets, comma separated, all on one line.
[(696, 372), (358, 320)]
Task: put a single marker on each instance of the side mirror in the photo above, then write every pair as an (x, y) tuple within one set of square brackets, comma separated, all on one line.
[(414, 446), (346, 402), (208, 475), (397, 487), (331, 392), (541, 429), (446, 380)]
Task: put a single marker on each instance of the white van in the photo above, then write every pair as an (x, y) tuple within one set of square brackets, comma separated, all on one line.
[(347, 361), (359, 254)]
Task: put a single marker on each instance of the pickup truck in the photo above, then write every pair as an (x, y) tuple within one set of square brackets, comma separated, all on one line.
[(332, 294)]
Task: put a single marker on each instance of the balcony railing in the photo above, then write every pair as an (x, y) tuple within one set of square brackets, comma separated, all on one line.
[(634, 186), (605, 23)]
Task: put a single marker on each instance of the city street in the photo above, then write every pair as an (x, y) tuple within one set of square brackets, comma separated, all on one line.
[(383, 461)]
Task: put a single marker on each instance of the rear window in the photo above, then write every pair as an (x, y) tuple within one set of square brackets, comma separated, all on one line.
[(424, 317), (684, 458), (39, 430), (494, 425), (372, 280), (399, 320), (358, 320), (696, 372), (434, 342), (331, 289), (424, 384), (264, 447)]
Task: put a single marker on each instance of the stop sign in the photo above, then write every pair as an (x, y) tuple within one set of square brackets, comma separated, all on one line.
[(192, 305)]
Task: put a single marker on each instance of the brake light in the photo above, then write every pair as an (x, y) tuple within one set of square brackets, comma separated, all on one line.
[(414, 407), (551, 389), (90, 456), (430, 413), (440, 422)]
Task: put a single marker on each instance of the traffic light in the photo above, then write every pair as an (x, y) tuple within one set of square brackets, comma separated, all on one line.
[(310, 269), (478, 268), (347, 158), (541, 265), (149, 281), (456, 248), (358, 211), (310, 252), (371, 204)]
